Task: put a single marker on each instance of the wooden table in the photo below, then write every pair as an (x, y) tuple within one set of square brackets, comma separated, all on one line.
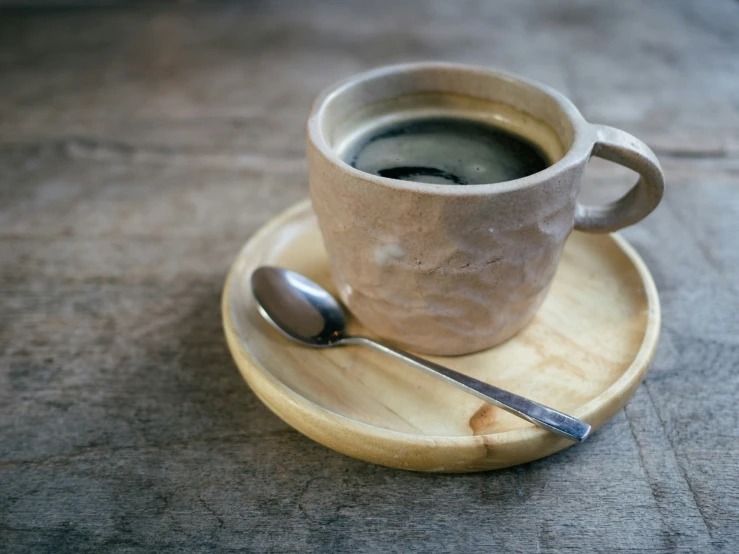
[(141, 146)]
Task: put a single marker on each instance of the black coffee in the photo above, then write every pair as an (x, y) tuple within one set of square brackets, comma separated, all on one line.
[(445, 150)]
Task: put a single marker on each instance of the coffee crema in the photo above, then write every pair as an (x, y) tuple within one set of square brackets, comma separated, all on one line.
[(444, 149)]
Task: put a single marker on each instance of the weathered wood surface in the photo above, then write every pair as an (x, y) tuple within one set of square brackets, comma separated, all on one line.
[(140, 146)]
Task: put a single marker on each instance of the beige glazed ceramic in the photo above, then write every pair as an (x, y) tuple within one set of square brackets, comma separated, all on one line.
[(447, 269)]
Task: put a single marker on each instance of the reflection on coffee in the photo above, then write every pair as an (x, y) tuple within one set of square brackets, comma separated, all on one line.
[(444, 150)]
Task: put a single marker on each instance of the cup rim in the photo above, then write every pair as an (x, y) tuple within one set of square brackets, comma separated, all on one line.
[(580, 149)]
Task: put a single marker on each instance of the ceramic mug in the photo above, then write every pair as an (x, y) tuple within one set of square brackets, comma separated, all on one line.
[(450, 269)]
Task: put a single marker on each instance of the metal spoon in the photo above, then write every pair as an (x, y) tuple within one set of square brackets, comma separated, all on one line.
[(306, 313)]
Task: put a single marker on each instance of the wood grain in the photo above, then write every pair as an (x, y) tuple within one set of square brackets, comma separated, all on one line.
[(585, 353), (141, 145)]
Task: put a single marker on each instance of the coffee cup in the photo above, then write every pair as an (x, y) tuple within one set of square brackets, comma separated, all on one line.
[(434, 263)]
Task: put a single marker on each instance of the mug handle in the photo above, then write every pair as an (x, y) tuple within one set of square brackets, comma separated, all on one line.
[(624, 149)]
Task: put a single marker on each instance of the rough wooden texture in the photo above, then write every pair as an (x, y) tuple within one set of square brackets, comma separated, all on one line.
[(139, 147), (585, 353)]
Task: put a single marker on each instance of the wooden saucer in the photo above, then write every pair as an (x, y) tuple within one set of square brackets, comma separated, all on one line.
[(585, 353)]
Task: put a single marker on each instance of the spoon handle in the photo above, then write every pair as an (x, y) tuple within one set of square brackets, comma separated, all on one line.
[(538, 414)]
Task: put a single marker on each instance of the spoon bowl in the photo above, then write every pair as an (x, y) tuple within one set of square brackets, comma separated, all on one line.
[(297, 307)]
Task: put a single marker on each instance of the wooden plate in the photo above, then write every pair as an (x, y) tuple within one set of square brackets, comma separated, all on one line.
[(585, 353)]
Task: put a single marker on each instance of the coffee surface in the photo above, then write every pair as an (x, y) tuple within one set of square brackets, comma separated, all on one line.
[(444, 150)]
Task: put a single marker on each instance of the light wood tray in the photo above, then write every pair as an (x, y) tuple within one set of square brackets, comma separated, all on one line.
[(585, 353)]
